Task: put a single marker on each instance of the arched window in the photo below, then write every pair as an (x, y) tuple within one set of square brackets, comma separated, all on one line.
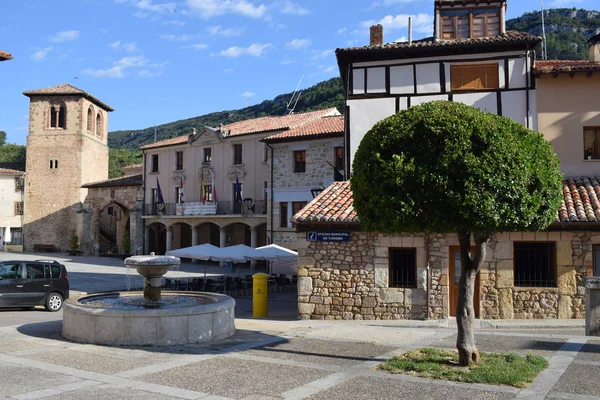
[(58, 116), (99, 130), (90, 120)]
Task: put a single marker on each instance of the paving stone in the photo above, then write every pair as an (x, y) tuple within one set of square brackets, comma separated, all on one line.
[(589, 352), (509, 344), (17, 379), (321, 351), (235, 378), (93, 362), (369, 388), (109, 392), (579, 379), (14, 345)]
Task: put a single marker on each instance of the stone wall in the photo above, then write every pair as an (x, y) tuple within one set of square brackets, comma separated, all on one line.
[(349, 280)]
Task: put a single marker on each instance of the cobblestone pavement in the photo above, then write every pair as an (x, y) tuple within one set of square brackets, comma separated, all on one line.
[(269, 359)]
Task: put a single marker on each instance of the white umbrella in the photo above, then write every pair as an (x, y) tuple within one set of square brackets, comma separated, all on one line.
[(7, 236), (249, 253), (275, 252)]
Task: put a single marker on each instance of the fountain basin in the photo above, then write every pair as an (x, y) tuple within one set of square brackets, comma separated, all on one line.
[(202, 317)]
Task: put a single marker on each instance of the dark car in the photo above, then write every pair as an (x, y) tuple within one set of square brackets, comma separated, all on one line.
[(32, 283)]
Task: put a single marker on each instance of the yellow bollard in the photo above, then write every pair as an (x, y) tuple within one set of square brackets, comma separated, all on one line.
[(260, 293)]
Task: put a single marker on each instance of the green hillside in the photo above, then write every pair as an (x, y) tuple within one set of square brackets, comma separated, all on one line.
[(322, 95), (567, 31)]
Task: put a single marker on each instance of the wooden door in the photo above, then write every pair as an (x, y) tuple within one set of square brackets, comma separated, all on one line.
[(454, 278)]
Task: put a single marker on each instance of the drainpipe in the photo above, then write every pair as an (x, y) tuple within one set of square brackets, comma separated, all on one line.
[(427, 275), (271, 200), (144, 204), (527, 77)]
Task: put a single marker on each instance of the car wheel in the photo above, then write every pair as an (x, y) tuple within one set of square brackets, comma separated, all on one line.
[(54, 302)]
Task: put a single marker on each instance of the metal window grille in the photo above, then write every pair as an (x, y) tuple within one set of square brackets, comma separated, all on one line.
[(534, 265), (403, 268), (19, 208), (300, 161), (19, 183), (283, 214)]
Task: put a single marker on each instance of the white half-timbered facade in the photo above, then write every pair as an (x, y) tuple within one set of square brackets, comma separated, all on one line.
[(471, 59)]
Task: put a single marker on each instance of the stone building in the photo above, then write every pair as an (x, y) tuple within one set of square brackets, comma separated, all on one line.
[(305, 160), (12, 178), (379, 276), (66, 149)]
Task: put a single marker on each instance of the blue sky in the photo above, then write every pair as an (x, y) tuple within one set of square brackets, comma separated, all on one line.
[(157, 61)]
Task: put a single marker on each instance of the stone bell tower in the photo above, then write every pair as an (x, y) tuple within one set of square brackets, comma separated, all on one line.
[(66, 148)]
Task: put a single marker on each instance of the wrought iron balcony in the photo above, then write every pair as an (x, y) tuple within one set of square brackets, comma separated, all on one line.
[(248, 207)]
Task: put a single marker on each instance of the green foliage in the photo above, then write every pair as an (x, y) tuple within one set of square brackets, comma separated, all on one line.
[(448, 167), (73, 241), (567, 31), (2, 138), (495, 369), (322, 95), (119, 158), (13, 153), (125, 243)]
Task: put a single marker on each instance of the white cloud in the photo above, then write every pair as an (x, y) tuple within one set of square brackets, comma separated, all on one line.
[(226, 70), (141, 14), (128, 47), (320, 54), (256, 50), (287, 7), (196, 46), (401, 39), (248, 94), (120, 67), (298, 44), (40, 54), (213, 8), (329, 69), (422, 23), (64, 36), (218, 30), (388, 3), (150, 6), (341, 30), (287, 62), (175, 22), (177, 38), (563, 3)]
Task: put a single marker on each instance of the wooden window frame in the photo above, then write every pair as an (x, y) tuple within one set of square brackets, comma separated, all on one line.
[(19, 184), (393, 270), (338, 161), (300, 161), (552, 275), (238, 158), (154, 163), (19, 208), (179, 160), (458, 89), (207, 151), (283, 214), (470, 11), (592, 153)]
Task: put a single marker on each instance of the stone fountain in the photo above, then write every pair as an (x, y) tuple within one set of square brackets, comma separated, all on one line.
[(149, 317)]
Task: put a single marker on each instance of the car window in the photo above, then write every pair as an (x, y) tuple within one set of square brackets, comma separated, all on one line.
[(55, 272), (47, 271), (11, 271), (35, 271)]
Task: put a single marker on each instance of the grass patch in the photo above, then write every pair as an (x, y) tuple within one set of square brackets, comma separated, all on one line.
[(494, 369)]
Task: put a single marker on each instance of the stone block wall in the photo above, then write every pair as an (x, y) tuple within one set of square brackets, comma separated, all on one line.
[(349, 280)]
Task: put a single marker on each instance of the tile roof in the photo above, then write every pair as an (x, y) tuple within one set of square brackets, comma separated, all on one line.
[(461, 2), (129, 180), (10, 171), (66, 89), (4, 56), (334, 204), (321, 128), (256, 125), (508, 37), (581, 203), (558, 66)]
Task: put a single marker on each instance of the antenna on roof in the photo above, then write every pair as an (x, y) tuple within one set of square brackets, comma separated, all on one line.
[(544, 48), (287, 106)]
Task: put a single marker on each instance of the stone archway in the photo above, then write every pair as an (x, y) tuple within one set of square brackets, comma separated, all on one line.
[(208, 232), (182, 235), (237, 233), (112, 229)]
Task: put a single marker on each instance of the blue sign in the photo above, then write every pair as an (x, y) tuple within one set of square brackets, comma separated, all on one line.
[(328, 236)]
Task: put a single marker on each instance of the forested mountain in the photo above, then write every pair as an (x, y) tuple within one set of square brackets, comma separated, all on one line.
[(322, 95), (567, 30)]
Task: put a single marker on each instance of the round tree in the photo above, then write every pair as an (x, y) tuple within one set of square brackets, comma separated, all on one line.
[(447, 167)]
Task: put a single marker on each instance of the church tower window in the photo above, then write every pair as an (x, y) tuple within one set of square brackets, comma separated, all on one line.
[(90, 120)]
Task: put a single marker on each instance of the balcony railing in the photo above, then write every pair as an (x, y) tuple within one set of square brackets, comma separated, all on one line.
[(209, 208)]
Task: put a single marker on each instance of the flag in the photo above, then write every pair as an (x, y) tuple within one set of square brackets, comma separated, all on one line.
[(238, 189), (214, 189), (160, 203), (181, 195), (202, 189)]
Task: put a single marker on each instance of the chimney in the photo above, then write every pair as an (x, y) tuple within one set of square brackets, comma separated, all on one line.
[(376, 35), (595, 49)]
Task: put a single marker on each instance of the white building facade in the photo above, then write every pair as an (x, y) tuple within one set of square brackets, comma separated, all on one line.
[(471, 59), (11, 208)]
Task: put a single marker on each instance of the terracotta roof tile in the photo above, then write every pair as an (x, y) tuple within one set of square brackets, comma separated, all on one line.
[(256, 125), (9, 171), (4, 56), (129, 180), (335, 204), (323, 127), (558, 66), (508, 37), (66, 89)]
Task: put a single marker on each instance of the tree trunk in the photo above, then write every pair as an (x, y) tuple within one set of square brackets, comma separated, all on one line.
[(465, 312)]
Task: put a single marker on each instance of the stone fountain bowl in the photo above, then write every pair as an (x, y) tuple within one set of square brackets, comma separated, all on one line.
[(152, 266)]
